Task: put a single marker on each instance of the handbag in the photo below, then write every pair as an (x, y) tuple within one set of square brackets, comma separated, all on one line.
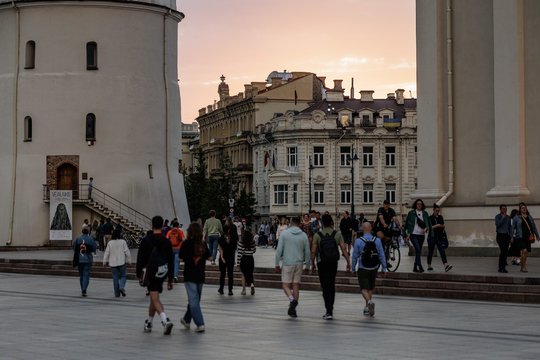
[(532, 238), (421, 223)]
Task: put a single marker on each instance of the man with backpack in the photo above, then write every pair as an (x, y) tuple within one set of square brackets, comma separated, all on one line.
[(155, 262), (325, 249), (368, 256), (176, 237)]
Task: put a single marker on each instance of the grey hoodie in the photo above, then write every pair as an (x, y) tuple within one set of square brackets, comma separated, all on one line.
[(293, 248)]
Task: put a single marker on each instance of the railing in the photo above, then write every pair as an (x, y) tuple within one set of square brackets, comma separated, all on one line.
[(108, 202)]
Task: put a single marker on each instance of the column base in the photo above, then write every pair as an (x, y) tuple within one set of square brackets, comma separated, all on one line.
[(507, 194)]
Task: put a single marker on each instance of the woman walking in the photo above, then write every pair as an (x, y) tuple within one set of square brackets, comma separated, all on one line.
[(117, 254), (514, 252), (416, 227), (246, 249), (525, 233), (194, 252), (438, 239), (227, 249), (281, 228)]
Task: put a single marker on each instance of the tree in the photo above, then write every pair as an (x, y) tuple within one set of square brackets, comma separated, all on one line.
[(245, 205), (197, 187)]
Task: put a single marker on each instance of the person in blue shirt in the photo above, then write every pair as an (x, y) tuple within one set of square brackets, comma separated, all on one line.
[(367, 274), (85, 246)]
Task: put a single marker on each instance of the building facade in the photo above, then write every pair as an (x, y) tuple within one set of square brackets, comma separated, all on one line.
[(225, 125), (337, 152), (190, 135), (478, 76), (89, 89)]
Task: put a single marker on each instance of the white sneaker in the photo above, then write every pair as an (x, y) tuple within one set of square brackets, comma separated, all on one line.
[(366, 311), (371, 308), (185, 324), (200, 329)]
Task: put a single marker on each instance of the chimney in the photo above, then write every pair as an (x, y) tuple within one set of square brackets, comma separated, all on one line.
[(400, 98), (209, 109), (352, 88), (338, 85), (390, 96), (366, 95), (202, 111), (276, 81), (247, 90), (322, 79)]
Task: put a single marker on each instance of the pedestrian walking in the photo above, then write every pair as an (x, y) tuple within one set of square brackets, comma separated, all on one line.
[(101, 235), (194, 252), (90, 188), (227, 250), (346, 227), (514, 251), (281, 228), (525, 233), (325, 254), (176, 237), (503, 228), (84, 247), (417, 226), (116, 255), (293, 254), (439, 239), (368, 256), (246, 249), (212, 231), (155, 262), (108, 228)]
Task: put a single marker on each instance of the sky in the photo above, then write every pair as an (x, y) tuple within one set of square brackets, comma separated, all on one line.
[(372, 41)]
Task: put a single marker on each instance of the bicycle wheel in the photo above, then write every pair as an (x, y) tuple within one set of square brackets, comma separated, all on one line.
[(394, 256)]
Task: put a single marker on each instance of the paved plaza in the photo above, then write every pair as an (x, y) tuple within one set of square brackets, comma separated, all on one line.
[(45, 318)]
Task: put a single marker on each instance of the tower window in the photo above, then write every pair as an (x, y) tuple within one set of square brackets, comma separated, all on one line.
[(30, 60), (90, 127), (27, 128), (91, 56)]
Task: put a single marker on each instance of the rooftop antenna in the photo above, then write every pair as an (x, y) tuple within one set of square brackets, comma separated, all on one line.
[(352, 88)]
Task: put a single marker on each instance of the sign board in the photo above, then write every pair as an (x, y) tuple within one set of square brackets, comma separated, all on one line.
[(61, 215)]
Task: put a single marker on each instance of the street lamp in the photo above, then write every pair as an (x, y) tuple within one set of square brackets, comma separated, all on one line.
[(310, 175), (354, 157)]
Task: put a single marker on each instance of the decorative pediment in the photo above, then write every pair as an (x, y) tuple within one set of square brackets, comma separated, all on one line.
[(368, 179), (283, 173), (345, 179), (390, 178), (319, 179), (318, 116), (380, 131)]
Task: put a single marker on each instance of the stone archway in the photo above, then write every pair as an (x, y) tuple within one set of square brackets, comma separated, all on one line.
[(63, 173)]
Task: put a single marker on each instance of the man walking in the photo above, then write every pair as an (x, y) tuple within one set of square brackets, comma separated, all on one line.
[(155, 262), (368, 255), (346, 228), (325, 249), (107, 231), (212, 230), (85, 246), (503, 225), (293, 254)]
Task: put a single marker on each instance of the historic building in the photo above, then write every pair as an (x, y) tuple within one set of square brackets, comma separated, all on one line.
[(89, 89), (190, 135), (225, 125), (478, 75), (337, 152)]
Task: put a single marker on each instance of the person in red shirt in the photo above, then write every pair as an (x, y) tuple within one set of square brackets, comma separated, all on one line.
[(176, 237)]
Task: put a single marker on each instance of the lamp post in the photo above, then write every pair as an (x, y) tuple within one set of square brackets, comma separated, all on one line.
[(354, 157), (310, 183)]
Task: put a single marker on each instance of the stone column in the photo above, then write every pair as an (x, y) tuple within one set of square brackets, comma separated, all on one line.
[(509, 102)]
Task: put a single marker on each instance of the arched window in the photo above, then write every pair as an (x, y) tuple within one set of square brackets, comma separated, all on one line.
[(27, 128), (90, 127), (30, 60), (91, 56)]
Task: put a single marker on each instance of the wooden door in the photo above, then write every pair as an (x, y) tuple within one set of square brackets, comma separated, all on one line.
[(68, 179)]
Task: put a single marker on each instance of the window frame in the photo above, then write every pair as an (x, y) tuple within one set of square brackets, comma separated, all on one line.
[(368, 192), (367, 155), (318, 194), (390, 157), (345, 195), (281, 194), (91, 46), (390, 194), (292, 155), (30, 55), (345, 158), (27, 122), (318, 157), (90, 122)]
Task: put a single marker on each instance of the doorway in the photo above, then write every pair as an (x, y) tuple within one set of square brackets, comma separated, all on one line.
[(67, 178)]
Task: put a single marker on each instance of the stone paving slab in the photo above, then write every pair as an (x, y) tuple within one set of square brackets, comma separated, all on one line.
[(41, 323)]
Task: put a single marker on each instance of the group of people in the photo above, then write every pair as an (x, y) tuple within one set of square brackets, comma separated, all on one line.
[(515, 235)]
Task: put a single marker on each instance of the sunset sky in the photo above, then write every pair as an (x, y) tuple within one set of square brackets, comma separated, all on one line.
[(372, 41)]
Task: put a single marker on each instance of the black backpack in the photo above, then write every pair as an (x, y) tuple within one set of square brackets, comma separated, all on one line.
[(370, 255), (328, 247)]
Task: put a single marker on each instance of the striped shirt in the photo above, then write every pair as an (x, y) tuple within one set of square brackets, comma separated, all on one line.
[(241, 250)]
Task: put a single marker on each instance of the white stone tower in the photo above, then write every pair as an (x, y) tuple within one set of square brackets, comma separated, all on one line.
[(88, 89)]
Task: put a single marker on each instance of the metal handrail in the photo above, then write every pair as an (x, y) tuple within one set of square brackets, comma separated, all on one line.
[(109, 202)]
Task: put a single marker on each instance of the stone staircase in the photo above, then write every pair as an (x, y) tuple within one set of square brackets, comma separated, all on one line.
[(446, 286)]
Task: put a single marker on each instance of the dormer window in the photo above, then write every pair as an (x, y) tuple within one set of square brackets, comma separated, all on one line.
[(344, 120)]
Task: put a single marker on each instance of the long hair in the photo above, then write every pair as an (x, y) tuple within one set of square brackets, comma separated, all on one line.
[(247, 240), (195, 233)]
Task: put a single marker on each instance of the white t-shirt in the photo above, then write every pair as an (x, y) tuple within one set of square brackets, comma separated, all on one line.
[(417, 229)]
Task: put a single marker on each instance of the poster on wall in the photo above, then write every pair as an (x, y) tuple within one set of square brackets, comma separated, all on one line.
[(61, 215)]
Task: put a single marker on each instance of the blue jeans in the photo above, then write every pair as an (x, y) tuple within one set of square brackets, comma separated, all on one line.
[(213, 245), (118, 278), (417, 241), (194, 291), (84, 275), (176, 263)]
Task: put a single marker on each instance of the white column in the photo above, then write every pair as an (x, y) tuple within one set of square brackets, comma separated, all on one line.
[(509, 100)]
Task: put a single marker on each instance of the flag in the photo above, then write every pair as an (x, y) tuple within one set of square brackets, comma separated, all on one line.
[(266, 158), (295, 97), (391, 123)]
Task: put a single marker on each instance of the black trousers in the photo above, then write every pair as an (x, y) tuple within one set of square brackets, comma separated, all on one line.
[(327, 277), (503, 240), (247, 265), (432, 242), (228, 268)]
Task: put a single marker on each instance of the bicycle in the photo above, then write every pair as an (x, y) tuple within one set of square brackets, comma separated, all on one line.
[(392, 252)]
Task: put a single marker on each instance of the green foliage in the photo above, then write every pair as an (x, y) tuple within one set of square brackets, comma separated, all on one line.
[(212, 191)]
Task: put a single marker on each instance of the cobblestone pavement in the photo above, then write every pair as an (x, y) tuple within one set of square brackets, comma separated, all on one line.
[(45, 318)]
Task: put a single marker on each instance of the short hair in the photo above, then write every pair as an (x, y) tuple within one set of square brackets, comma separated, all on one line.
[(417, 200), (502, 205), (295, 220), (117, 233), (91, 178), (175, 224), (386, 202), (436, 206), (346, 212), (327, 220), (212, 213), (108, 219), (157, 222), (85, 230)]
